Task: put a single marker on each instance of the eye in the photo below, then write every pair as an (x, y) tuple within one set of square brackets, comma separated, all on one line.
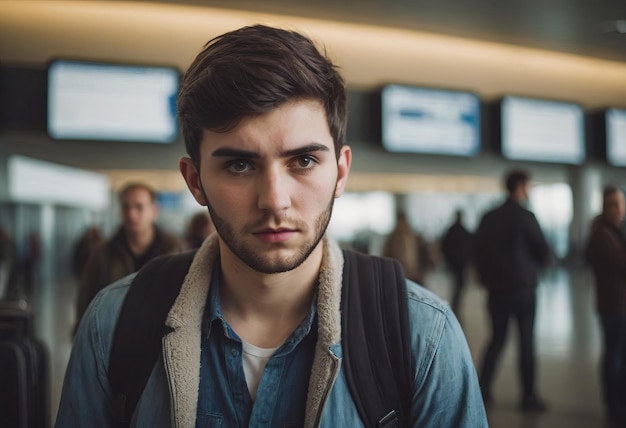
[(304, 162), (238, 166)]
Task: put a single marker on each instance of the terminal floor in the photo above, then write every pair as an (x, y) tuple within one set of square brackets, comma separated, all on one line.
[(567, 340), (568, 344)]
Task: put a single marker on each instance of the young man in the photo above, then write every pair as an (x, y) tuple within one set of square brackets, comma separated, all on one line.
[(255, 333), (137, 241), (510, 248), (606, 254)]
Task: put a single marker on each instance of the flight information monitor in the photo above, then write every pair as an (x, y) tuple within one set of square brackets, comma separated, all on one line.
[(542, 130), (427, 120), (616, 136), (110, 102)]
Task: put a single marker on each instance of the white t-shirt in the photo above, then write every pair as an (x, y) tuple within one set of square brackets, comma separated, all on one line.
[(254, 361)]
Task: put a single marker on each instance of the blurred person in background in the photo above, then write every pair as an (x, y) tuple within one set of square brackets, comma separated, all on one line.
[(200, 226), (510, 248), (606, 254), (403, 245), (456, 247), (136, 241), (88, 242), (28, 258), (7, 263)]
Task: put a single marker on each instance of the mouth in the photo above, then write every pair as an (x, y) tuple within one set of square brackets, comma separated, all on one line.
[(279, 235)]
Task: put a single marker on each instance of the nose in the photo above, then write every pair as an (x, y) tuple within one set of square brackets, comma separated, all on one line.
[(131, 215), (273, 190)]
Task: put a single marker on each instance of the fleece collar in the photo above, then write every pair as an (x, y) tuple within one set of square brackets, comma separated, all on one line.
[(182, 347)]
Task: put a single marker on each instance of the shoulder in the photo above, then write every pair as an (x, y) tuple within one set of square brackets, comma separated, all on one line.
[(101, 316), (114, 293), (508, 210), (428, 314), (435, 331), (164, 234), (420, 297), (111, 247), (526, 212), (598, 227), (515, 208), (489, 215), (601, 235), (117, 239), (99, 258), (104, 246), (168, 240)]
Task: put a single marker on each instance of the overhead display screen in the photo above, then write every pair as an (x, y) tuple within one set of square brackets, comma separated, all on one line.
[(541, 130), (426, 120), (94, 101), (616, 137)]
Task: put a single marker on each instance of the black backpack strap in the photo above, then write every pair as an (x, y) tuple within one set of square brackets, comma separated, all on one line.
[(375, 339), (140, 328)]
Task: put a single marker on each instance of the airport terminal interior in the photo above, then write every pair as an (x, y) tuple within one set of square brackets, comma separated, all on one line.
[(487, 88)]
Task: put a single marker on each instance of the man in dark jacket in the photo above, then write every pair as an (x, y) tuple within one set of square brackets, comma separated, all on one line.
[(456, 246), (606, 254), (136, 242), (510, 249)]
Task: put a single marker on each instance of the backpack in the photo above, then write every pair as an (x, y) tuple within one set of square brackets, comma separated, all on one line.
[(375, 338)]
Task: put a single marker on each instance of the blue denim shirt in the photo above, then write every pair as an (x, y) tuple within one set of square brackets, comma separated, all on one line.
[(445, 386), (224, 398)]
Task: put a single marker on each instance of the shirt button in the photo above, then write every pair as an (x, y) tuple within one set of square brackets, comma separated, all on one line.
[(234, 352)]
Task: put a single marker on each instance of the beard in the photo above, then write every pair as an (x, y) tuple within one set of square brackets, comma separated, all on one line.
[(256, 259)]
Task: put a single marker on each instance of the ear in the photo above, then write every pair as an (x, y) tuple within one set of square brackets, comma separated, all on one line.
[(192, 178), (343, 169)]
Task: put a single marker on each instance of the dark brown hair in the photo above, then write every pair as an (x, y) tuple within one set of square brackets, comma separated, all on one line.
[(251, 71), (514, 178)]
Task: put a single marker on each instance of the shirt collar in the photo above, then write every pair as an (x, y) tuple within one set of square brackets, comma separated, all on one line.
[(214, 313), (213, 303)]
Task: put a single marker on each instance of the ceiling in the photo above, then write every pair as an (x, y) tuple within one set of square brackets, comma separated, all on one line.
[(33, 32), (595, 28)]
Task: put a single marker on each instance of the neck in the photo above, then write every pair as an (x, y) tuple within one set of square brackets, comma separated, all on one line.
[(517, 198), (264, 309), (139, 242), (615, 223)]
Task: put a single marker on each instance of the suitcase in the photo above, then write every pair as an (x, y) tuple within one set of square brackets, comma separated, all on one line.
[(24, 385)]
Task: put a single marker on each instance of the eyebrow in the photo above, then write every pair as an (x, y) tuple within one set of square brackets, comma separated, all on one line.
[(238, 153)]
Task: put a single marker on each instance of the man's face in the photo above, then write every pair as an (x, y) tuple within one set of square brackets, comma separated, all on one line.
[(138, 211), (614, 208), (524, 190), (270, 185)]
